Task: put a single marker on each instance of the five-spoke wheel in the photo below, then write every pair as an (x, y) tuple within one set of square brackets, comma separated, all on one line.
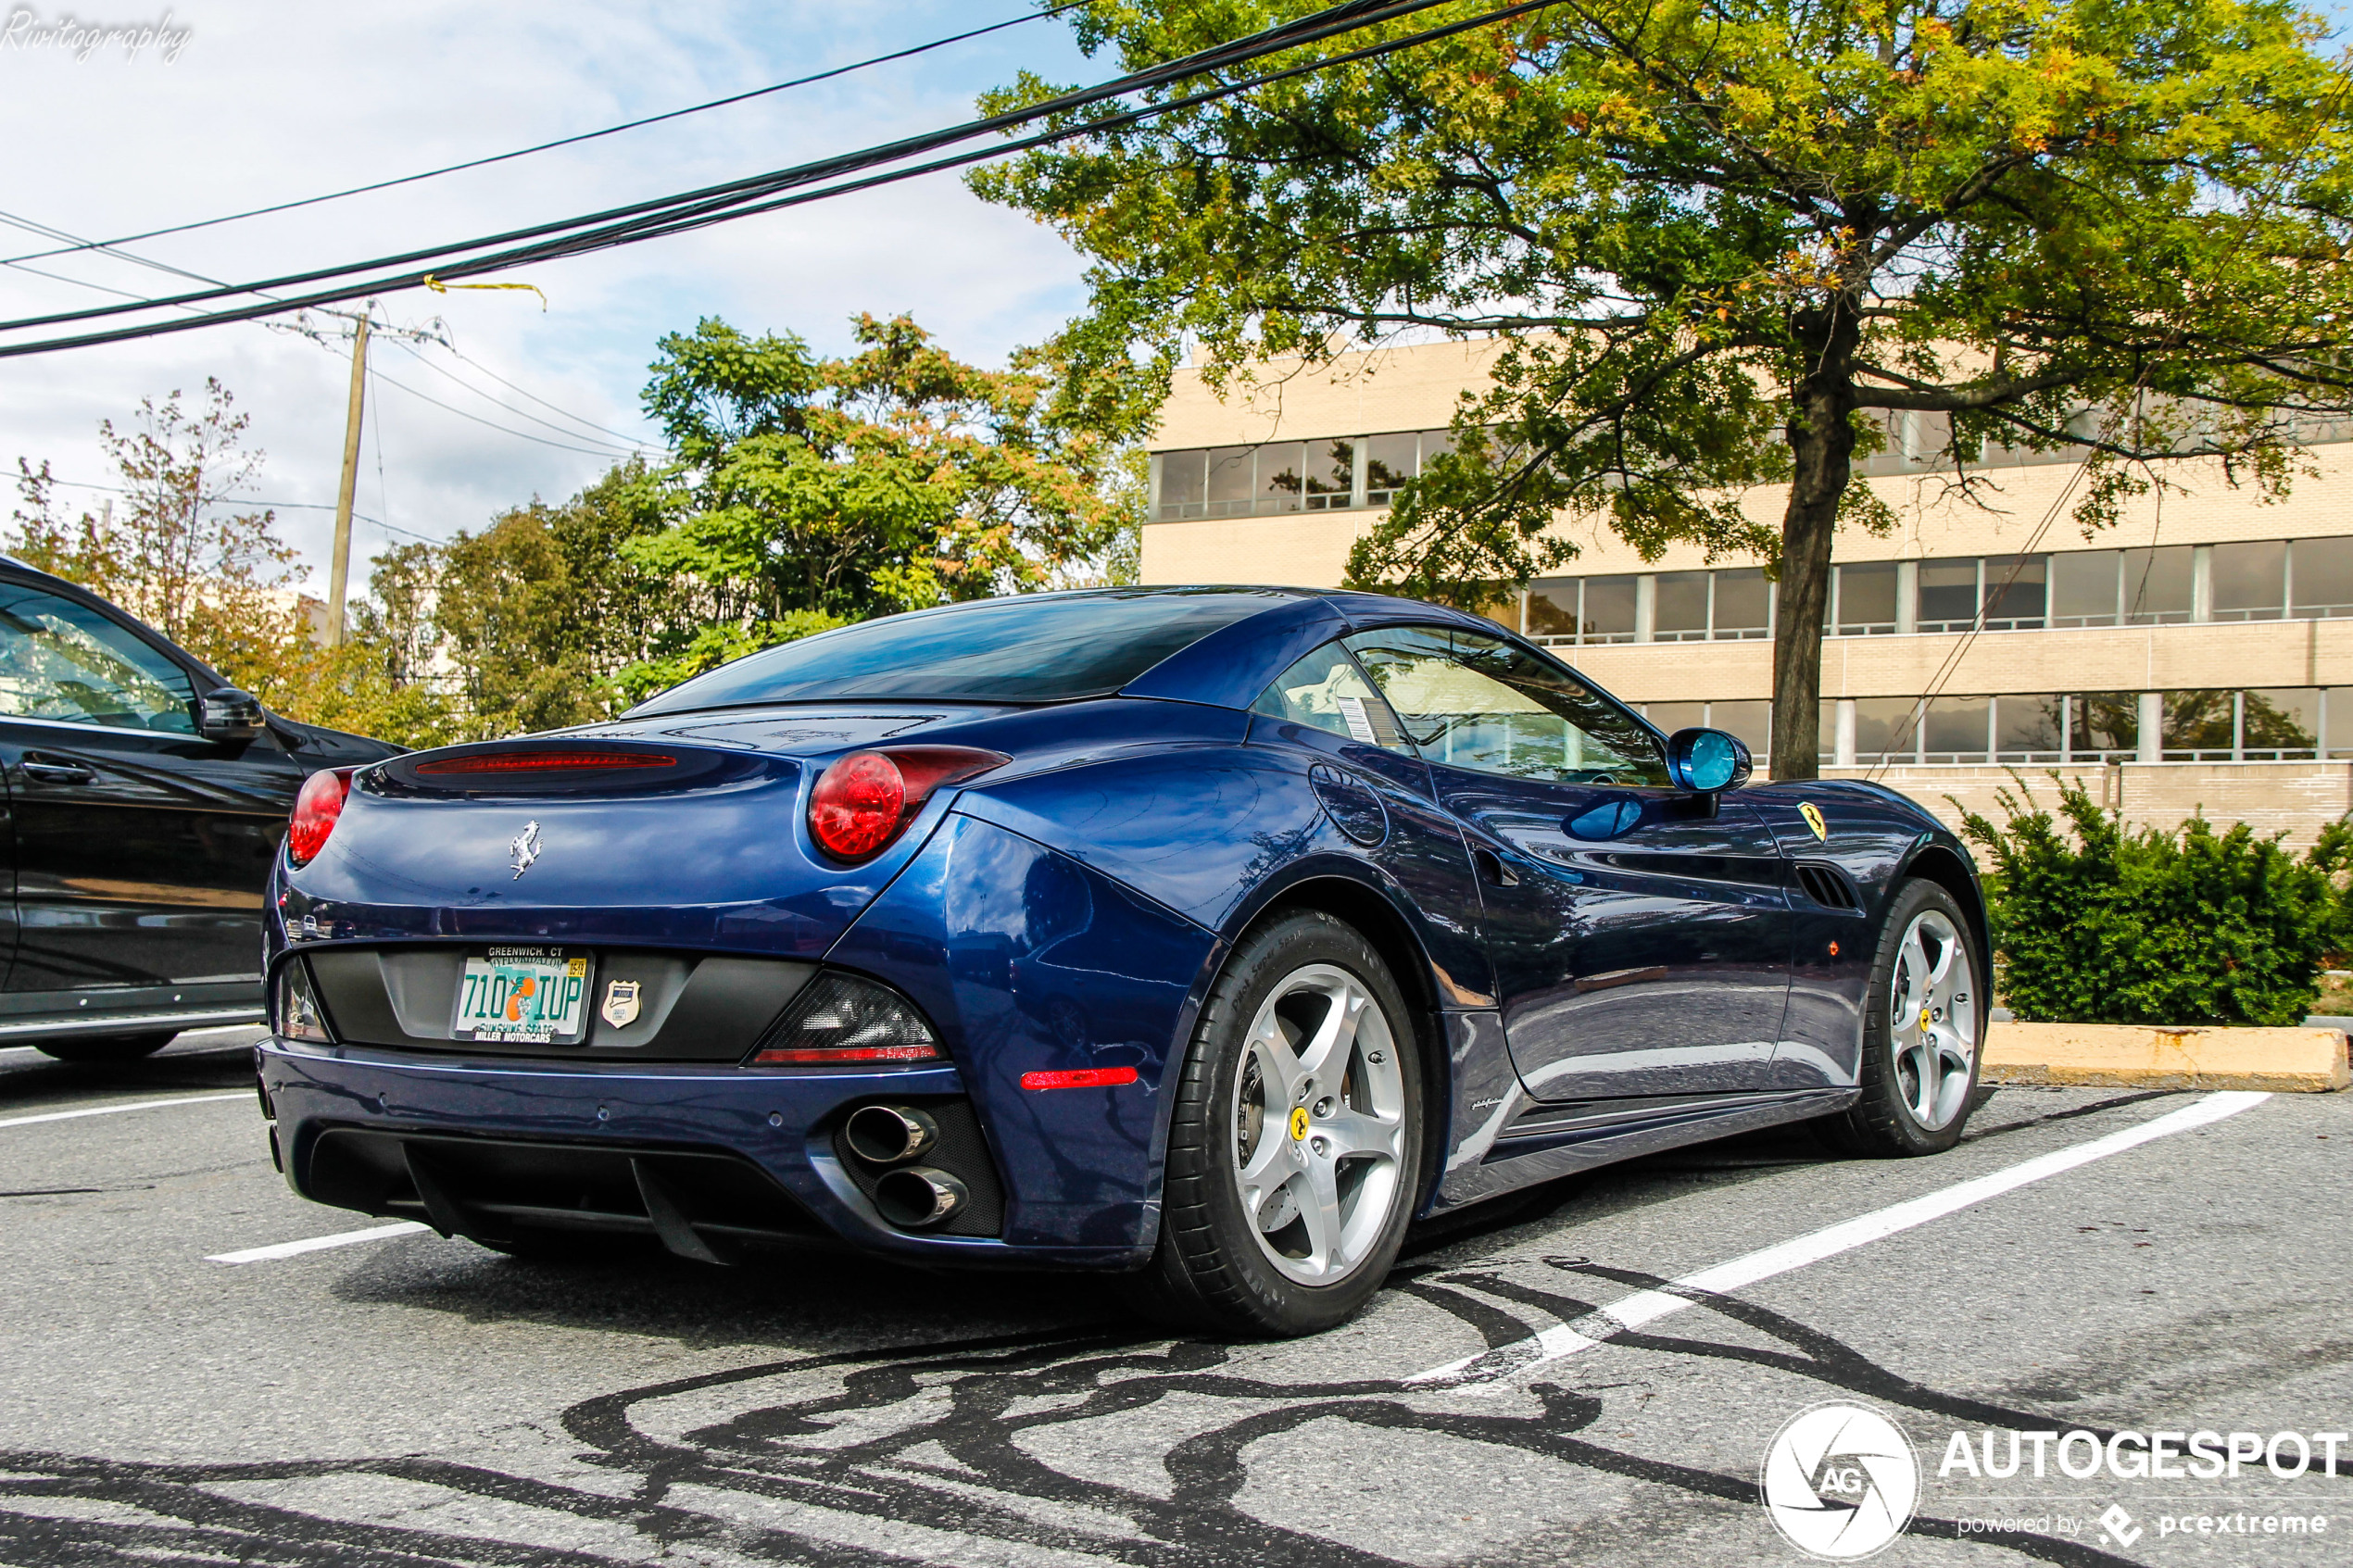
[(1925, 1014), (1295, 1142), (1933, 1020), (1320, 1122)]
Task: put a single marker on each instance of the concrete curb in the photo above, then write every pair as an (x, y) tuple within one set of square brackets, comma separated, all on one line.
[(2152, 1057)]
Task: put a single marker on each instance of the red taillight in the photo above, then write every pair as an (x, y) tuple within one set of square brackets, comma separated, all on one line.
[(315, 811), (533, 762), (1079, 1078), (863, 800), (855, 809)]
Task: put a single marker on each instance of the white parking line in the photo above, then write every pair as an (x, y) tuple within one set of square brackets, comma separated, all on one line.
[(1648, 1306), (316, 1244), (245, 1095)]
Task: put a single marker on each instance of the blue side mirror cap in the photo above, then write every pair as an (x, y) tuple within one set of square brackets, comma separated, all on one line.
[(1707, 761)]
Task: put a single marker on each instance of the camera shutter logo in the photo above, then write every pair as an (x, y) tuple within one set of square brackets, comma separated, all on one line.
[(1840, 1482)]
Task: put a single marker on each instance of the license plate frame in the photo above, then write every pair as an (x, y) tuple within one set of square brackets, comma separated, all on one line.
[(495, 1006)]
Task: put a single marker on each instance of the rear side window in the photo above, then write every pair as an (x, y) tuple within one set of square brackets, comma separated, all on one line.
[(1047, 649), (63, 660), (1328, 691), (1478, 702)]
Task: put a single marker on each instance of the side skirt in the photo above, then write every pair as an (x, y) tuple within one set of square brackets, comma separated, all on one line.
[(1549, 1141)]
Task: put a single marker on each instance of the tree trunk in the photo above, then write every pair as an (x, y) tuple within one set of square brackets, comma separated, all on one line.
[(1821, 443)]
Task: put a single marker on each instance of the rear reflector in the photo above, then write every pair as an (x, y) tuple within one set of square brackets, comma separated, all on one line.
[(1080, 1078), (535, 761)]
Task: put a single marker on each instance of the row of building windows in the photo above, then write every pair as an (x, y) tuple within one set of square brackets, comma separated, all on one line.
[(2264, 580), (2278, 723), (1916, 440), (1289, 476), (1337, 472)]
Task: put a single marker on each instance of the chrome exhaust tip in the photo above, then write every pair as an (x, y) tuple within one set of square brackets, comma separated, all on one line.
[(889, 1135), (917, 1196)]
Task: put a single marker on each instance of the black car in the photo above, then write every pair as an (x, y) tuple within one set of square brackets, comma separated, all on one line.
[(146, 796)]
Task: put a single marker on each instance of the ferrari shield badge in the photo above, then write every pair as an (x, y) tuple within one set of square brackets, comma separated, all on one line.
[(621, 1003), (1813, 815)]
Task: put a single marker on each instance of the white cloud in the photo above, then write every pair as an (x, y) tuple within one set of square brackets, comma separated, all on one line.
[(270, 100)]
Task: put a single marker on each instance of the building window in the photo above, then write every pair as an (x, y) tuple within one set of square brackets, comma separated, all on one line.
[(1956, 729), (2084, 587), (2157, 585), (1390, 461), (1743, 604), (2016, 591), (2028, 729), (2323, 572), (2102, 727), (1948, 595), (1750, 721), (2249, 580), (2279, 725), (1884, 729), (1681, 614), (1863, 599)]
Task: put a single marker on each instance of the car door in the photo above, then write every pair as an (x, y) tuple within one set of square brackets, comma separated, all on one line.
[(141, 847), (1639, 933)]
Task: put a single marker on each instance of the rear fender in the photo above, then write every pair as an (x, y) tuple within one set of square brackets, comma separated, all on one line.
[(1026, 961)]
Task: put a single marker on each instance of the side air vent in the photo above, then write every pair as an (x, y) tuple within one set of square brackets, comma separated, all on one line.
[(1829, 887)]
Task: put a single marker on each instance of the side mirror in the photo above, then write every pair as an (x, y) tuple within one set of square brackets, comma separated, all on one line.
[(1707, 761), (229, 715)]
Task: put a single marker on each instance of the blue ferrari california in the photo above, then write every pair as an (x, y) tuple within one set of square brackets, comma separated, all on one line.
[(1210, 935)]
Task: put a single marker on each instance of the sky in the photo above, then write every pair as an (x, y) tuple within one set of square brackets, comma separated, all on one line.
[(267, 102)]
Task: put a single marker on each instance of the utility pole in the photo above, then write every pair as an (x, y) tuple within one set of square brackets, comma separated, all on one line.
[(339, 574)]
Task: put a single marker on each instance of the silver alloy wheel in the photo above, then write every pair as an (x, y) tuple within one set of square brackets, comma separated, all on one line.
[(1319, 1125), (1933, 1020)]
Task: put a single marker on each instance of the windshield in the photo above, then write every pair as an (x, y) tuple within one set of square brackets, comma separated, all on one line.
[(1047, 649)]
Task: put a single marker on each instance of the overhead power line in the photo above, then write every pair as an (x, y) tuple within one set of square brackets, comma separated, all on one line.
[(742, 198), (77, 245)]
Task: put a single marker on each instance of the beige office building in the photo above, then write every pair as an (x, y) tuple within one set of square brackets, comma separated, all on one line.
[(2197, 657)]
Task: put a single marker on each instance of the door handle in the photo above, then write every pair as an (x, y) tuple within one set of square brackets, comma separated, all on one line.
[(1492, 870), (55, 772)]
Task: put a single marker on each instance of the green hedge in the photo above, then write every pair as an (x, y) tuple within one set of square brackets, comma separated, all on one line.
[(2145, 926)]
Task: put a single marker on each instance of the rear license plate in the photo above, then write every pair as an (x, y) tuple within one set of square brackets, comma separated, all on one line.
[(524, 995)]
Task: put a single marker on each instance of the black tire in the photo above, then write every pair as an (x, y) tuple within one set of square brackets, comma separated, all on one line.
[(1884, 1123), (106, 1047), (1211, 1270)]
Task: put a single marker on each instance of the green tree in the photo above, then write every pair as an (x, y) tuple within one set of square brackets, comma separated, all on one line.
[(541, 610), (1723, 241), (810, 491)]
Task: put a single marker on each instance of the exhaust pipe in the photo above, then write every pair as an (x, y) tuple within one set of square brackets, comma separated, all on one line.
[(918, 1197), (889, 1135)]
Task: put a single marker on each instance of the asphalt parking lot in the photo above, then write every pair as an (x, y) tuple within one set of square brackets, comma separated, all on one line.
[(409, 1399)]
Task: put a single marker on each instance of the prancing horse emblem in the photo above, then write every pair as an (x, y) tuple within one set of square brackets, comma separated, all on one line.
[(523, 848)]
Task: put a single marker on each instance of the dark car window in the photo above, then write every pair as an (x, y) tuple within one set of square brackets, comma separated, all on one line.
[(1049, 648), (1328, 690), (1478, 702), (59, 660)]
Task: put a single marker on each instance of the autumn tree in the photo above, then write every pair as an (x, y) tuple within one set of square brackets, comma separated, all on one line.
[(1723, 239), (172, 546)]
